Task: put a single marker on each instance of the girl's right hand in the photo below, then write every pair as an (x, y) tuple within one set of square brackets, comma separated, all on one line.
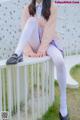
[(31, 54)]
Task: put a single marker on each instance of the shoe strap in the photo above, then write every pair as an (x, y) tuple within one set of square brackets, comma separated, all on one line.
[(14, 56)]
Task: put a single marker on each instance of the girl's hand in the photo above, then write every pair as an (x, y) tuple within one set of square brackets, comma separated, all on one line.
[(38, 54), (31, 54), (41, 53)]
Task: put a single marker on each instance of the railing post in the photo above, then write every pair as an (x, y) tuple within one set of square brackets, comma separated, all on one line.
[(32, 91), (26, 91), (18, 91), (17, 80), (9, 79), (0, 92)]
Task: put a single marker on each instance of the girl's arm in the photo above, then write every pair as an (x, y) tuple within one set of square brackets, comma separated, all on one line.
[(28, 51), (49, 30)]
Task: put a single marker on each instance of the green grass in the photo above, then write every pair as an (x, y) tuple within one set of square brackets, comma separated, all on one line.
[(73, 96), (52, 113)]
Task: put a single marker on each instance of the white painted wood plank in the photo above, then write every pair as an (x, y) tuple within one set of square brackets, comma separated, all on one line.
[(0, 92)]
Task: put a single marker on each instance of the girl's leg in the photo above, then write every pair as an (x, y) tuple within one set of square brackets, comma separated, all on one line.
[(29, 35), (58, 60)]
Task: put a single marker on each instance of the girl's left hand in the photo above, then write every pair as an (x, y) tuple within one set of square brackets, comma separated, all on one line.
[(41, 53)]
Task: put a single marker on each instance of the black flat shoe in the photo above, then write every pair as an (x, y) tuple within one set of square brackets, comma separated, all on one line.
[(64, 118), (14, 59)]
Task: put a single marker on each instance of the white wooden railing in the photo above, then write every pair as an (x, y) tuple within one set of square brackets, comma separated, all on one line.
[(26, 89)]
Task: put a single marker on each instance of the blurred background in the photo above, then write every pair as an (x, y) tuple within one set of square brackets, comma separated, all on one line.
[(68, 24)]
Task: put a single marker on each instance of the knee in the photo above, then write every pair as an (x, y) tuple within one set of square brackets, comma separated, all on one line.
[(31, 22)]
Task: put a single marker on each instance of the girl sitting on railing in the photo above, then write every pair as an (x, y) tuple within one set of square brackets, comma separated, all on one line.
[(38, 39)]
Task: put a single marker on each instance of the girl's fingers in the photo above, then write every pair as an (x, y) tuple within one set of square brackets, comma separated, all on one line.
[(37, 55)]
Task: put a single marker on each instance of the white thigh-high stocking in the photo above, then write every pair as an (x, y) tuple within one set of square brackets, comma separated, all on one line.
[(58, 60), (25, 38)]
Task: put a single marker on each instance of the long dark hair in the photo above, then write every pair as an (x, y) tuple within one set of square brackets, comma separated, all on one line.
[(46, 5)]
